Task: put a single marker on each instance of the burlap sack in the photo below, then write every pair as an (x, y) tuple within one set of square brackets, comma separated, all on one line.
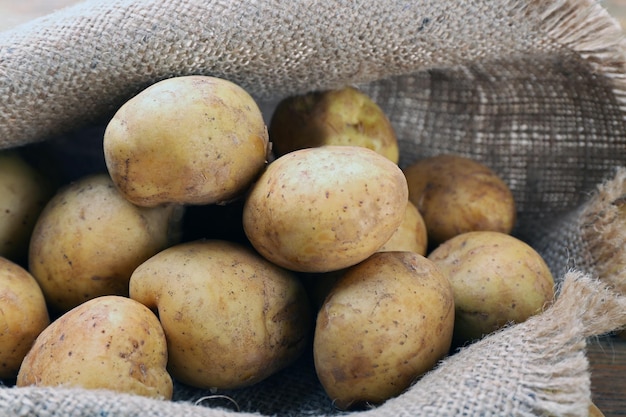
[(532, 88)]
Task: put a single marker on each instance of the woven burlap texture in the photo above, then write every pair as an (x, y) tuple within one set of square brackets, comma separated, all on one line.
[(534, 368), (533, 88)]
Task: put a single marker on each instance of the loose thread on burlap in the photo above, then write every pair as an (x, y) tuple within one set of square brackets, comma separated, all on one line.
[(218, 397)]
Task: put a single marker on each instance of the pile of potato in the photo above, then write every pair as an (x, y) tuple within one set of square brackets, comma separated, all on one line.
[(329, 244)]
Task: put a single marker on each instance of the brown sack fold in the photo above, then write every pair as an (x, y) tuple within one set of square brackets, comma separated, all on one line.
[(534, 368), (534, 89)]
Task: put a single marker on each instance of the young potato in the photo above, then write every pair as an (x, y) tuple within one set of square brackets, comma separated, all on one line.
[(594, 411), (186, 140), (411, 236), (344, 116), (385, 322), (326, 208), (23, 315), (23, 195), (455, 194), (109, 342), (89, 239), (496, 278), (231, 318)]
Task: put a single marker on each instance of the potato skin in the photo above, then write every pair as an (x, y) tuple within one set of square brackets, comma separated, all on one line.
[(109, 342), (455, 194), (24, 194), (186, 140), (326, 208), (594, 411), (496, 279), (344, 116), (23, 316), (231, 318), (89, 239), (411, 236), (385, 322)]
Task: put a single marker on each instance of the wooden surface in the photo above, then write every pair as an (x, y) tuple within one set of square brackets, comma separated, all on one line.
[(607, 355)]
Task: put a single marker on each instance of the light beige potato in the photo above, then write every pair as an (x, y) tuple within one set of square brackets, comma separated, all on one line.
[(326, 208), (231, 318), (23, 315), (455, 195), (387, 321), (186, 140), (411, 236), (89, 239), (594, 411), (23, 195), (109, 342), (344, 116), (497, 279)]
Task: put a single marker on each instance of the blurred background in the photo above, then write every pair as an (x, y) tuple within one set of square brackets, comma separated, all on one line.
[(617, 8), (14, 12)]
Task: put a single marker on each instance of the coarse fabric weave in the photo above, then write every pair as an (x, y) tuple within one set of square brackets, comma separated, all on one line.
[(534, 89), (535, 368)]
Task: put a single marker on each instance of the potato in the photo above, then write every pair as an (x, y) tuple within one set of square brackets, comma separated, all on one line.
[(23, 315), (496, 278), (231, 318), (109, 342), (89, 239), (326, 208), (455, 194), (411, 236), (386, 321), (23, 194), (186, 140), (344, 116), (594, 411)]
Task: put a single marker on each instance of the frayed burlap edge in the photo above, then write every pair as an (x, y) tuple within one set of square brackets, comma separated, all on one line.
[(533, 368), (569, 26), (586, 28), (552, 377), (550, 27), (603, 228)]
